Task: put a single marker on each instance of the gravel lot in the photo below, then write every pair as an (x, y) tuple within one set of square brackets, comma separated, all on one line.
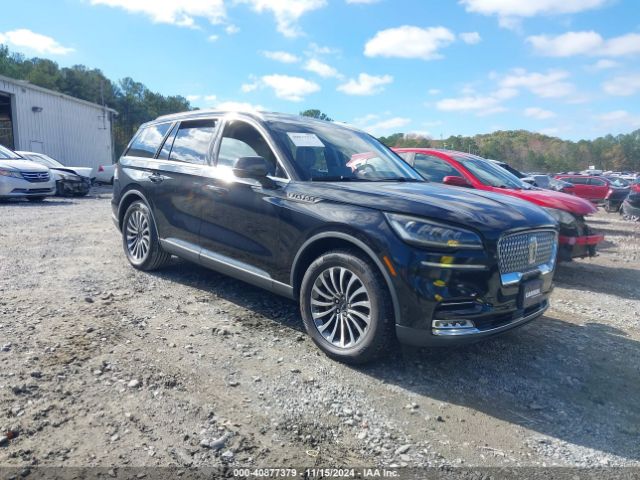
[(102, 365)]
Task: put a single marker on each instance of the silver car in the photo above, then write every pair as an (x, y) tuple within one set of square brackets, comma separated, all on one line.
[(20, 178)]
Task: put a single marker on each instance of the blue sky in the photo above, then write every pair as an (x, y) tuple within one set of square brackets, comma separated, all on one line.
[(567, 68)]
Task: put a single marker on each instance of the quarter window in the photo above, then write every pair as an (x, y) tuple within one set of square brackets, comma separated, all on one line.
[(192, 141), (147, 142), (433, 168)]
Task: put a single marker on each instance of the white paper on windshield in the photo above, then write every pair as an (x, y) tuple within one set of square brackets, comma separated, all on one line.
[(305, 139)]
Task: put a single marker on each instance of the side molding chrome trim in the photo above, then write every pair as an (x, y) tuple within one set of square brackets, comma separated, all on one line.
[(453, 266), (227, 266)]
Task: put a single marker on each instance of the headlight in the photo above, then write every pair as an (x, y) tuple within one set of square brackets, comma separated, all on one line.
[(66, 176), (425, 233), (9, 173), (561, 216)]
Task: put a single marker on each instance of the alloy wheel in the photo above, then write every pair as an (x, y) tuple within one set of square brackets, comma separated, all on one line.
[(138, 234), (340, 307)]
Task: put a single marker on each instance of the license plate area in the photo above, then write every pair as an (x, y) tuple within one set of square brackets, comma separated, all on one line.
[(530, 293)]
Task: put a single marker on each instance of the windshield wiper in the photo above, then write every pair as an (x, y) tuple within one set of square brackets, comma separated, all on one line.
[(399, 179)]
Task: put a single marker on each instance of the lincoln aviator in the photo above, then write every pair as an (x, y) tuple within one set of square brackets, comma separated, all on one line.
[(326, 215)]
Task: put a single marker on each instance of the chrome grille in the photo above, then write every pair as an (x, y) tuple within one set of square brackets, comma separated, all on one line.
[(522, 252), (35, 177)]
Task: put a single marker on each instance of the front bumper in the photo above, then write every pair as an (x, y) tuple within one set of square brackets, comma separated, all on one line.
[(72, 187), (577, 240), (435, 298), (18, 188), (436, 338)]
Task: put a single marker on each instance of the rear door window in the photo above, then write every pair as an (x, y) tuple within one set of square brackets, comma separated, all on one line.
[(577, 180), (597, 182), (148, 140), (434, 168), (192, 141)]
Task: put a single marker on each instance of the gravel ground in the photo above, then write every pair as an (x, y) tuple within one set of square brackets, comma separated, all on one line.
[(102, 365)]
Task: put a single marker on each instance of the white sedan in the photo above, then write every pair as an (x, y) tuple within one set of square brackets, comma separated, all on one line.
[(20, 178)]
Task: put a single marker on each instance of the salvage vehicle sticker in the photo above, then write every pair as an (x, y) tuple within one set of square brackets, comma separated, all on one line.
[(305, 139)]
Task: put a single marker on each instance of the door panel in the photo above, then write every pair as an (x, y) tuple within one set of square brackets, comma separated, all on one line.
[(241, 216)]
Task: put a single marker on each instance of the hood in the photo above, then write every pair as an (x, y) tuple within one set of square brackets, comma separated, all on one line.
[(65, 170), (23, 165), (554, 199), (486, 212), (82, 171)]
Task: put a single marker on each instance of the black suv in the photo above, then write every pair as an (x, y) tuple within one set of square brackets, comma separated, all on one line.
[(325, 214)]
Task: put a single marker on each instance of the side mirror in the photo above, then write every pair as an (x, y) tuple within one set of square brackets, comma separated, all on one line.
[(456, 181), (251, 167)]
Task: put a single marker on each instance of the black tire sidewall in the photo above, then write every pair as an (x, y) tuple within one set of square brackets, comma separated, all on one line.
[(377, 296)]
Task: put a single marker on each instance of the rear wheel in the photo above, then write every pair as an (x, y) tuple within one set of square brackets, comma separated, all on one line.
[(346, 307), (140, 239)]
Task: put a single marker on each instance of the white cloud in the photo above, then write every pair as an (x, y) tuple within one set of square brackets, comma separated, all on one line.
[(365, 2), (481, 104), (210, 98), (552, 84), (604, 64), (24, 38), (434, 91), (619, 118), (286, 12), (315, 49), (538, 113), (585, 43), (193, 98), (249, 87), (509, 12), (365, 84), (183, 13), (290, 88), (409, 42), (322, 69), (623, 85), (213, 38), (471, 38), (231, 29), (239, 106), (280, 56), (388, 125)]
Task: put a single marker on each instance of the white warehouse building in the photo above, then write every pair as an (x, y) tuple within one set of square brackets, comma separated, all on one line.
[(73, 131)]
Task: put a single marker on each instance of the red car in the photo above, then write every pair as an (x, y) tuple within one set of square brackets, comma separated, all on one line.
[(594, 189), (635, 186), (470, 171)]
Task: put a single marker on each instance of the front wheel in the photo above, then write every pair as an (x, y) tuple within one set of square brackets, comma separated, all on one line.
[(140, 239), (346, 307)]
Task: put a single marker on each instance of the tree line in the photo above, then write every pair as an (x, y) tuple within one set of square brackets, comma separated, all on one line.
[(535, 152), (133, 101)]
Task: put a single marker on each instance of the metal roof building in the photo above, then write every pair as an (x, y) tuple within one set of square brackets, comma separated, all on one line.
[(73, 131)]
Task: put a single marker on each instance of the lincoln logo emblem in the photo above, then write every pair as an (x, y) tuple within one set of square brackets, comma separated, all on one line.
[(533, 249)]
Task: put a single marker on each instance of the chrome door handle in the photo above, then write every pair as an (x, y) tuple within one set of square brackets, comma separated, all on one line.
[(156, 178)]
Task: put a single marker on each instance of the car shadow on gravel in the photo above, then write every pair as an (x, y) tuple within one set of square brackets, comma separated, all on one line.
[(576, 383), (26, 203), (594, 278)]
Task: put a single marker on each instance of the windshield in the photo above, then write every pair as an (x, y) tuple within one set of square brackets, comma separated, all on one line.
[(44, 160), (326, 152), (6, 154), (490, 174)]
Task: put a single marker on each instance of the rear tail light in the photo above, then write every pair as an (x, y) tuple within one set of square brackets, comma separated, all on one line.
[(101, 168), (609, 192)]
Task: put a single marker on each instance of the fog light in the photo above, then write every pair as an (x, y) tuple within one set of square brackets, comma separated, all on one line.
[(452, 324)]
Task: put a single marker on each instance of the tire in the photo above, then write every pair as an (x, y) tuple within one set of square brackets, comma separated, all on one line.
[(140, 239), (340, 329), (36, 199)]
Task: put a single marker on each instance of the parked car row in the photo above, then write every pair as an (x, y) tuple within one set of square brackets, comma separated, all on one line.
[(470, 171), (35, 176), (325, 214)]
